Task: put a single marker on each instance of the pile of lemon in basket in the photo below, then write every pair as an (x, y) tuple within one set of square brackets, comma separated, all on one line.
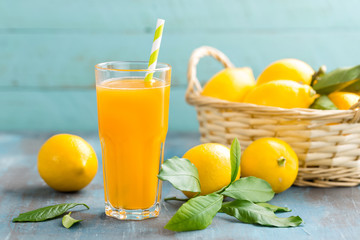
[(288, 83)]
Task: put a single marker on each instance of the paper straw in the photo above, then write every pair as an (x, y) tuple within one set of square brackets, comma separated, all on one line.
[(155, 48)]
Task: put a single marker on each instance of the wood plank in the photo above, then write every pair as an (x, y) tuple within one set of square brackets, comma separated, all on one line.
[(74, 110), (181, 15), (327, 213), (67, 60)]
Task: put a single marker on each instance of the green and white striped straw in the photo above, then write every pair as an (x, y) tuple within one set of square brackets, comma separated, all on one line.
[(155, 48)]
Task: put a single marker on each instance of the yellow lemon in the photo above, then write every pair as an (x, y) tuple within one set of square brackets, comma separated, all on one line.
[(231, 84), (282, 93), (212, 161), (344, 100), (67, 162), (270, 159), (290, 69)]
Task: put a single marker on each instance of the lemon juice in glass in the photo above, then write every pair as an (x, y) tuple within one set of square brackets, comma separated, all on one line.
[(133, 123)]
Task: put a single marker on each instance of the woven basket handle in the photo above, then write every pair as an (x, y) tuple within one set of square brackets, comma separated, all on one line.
[(194, 85), (356, 107)]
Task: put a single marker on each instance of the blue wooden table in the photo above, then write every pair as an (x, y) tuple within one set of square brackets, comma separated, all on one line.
[(327, 213)]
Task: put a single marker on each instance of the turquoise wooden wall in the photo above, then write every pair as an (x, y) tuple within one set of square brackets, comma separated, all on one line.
[(48, 48)]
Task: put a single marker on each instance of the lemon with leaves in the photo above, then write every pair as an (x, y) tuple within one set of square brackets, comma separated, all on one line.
[(67, 162), (273, 160), (231, 84), (212, 161), (282, 93), (289, 69)]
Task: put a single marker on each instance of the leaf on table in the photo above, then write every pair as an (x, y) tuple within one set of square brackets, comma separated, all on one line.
[(323, 103), (235, 156), (339, 79), (196, 214), (68, 221), (273, 207), (248, 212), (251, 189), (46, 213), (181, 173)]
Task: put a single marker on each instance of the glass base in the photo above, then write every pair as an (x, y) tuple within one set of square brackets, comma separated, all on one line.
[(137, 214)]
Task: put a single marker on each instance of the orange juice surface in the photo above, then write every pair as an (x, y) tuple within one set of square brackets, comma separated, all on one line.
[(133, 122)]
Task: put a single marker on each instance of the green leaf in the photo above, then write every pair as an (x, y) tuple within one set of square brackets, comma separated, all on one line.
[(196, 214), (250, 188), (181, 173), (323, 103), (274, 208), (235, 155), (68, 221), (355, 87), (46, 213), (338, 79), (249, 212)]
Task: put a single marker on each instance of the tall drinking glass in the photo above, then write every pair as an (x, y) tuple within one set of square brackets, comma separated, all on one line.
[(133, 123)]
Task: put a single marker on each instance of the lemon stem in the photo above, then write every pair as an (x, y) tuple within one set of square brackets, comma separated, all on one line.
[(176, 199), (318, 74), (281, 161)]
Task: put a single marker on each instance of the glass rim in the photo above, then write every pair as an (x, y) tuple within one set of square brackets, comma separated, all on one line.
[(100, 66)]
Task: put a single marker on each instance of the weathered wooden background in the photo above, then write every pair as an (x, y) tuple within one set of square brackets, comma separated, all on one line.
[(48, 49)]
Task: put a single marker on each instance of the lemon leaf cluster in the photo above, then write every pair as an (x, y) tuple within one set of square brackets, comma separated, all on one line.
[(345, 79), (339, 88), (250, 196)]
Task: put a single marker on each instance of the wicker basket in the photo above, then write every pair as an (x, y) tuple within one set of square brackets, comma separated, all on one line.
[(327, 142)]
